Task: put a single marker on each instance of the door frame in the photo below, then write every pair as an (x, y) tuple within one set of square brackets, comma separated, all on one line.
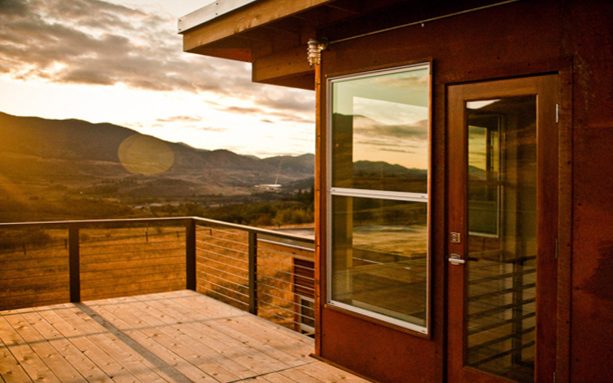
[(549, 137)]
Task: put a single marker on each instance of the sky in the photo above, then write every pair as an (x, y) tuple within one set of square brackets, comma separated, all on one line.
[(121, 61)]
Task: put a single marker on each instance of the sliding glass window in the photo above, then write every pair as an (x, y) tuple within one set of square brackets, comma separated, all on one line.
[(378, 193)]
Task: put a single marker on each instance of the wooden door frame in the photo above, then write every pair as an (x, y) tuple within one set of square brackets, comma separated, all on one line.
[(548, 158)]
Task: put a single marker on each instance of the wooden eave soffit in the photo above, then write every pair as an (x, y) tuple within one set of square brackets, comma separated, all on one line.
[(261, 33)]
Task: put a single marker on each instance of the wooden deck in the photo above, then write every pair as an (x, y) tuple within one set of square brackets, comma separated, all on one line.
[(179, 336)]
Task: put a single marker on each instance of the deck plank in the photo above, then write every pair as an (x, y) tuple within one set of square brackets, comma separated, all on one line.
[(169, 330), (162, 331), (276, 377), (179, 336), (77, 360), (10, 370), (234, 349), (61, 368), (290, 353), (226, 362), (299, 376), (243, 334), (328, 373), (183, 369), (79, 333), (27, 358), (110, 341)]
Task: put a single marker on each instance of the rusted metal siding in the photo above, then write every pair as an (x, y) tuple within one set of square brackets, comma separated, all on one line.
[(572, 38), (377, 352), (590, 42), (518, 39)]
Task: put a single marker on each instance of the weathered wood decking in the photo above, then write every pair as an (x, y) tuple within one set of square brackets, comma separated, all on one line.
[(179, 336)]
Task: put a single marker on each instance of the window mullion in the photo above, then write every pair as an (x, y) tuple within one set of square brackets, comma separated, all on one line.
[(382, 194)]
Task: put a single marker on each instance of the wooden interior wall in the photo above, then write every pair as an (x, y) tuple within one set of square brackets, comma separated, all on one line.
[(518, 39)]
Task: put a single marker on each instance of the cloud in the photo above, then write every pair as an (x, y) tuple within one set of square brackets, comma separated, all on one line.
[(281, 111), (289, 100), (12, 7), (288, 116), (389, 144), (179, 119), (212, 129), (242, 109), (95, 42), (414, 130), (405, 151)]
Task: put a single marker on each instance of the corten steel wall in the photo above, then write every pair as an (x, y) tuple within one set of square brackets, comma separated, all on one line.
[(590, 41), (518, 39)]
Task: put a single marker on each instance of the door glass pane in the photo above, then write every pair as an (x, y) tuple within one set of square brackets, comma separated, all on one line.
[(501, 272), (379, 261), (484, 170)]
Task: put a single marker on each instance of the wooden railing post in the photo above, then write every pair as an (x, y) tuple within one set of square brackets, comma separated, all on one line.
[(253, 273), (190, 255), (74, 263)]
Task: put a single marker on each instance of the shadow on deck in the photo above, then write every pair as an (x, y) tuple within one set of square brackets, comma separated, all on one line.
[(179, 336)]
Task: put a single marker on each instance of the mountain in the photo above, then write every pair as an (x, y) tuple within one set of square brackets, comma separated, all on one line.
[(65, 169), (292, 164), (75, 150), (380, 175), (387, 169)]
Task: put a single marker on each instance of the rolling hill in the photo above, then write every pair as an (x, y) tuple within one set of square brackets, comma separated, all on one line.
[(82, 152), (46, 165)]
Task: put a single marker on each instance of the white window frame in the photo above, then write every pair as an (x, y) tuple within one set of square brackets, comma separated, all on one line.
[(377, 194)]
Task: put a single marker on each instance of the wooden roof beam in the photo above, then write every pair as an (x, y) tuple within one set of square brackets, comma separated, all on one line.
[(282, 66), (251, 16)]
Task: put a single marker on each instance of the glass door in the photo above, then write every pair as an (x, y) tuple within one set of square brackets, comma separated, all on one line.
[(501, 251)]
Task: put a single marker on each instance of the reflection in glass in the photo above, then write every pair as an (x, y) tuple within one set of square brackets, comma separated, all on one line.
[(379, 183), (380, 256), (483, 172), (501, 274), (380, 131)]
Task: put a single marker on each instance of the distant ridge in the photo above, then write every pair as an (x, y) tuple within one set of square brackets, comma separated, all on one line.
[(79, 151)]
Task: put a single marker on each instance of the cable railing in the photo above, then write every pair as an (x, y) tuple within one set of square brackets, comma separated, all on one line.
[(268, 273)]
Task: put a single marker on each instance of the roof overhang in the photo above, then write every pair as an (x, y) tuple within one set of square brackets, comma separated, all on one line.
[(273, 34), (210, 12)]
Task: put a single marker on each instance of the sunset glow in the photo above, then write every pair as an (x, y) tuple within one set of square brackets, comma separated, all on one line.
[(122, 62)]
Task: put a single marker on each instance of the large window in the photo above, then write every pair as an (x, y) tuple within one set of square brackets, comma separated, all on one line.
[(378, 193)]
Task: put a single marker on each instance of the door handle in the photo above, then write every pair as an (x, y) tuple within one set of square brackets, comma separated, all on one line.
[(456, 259)]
